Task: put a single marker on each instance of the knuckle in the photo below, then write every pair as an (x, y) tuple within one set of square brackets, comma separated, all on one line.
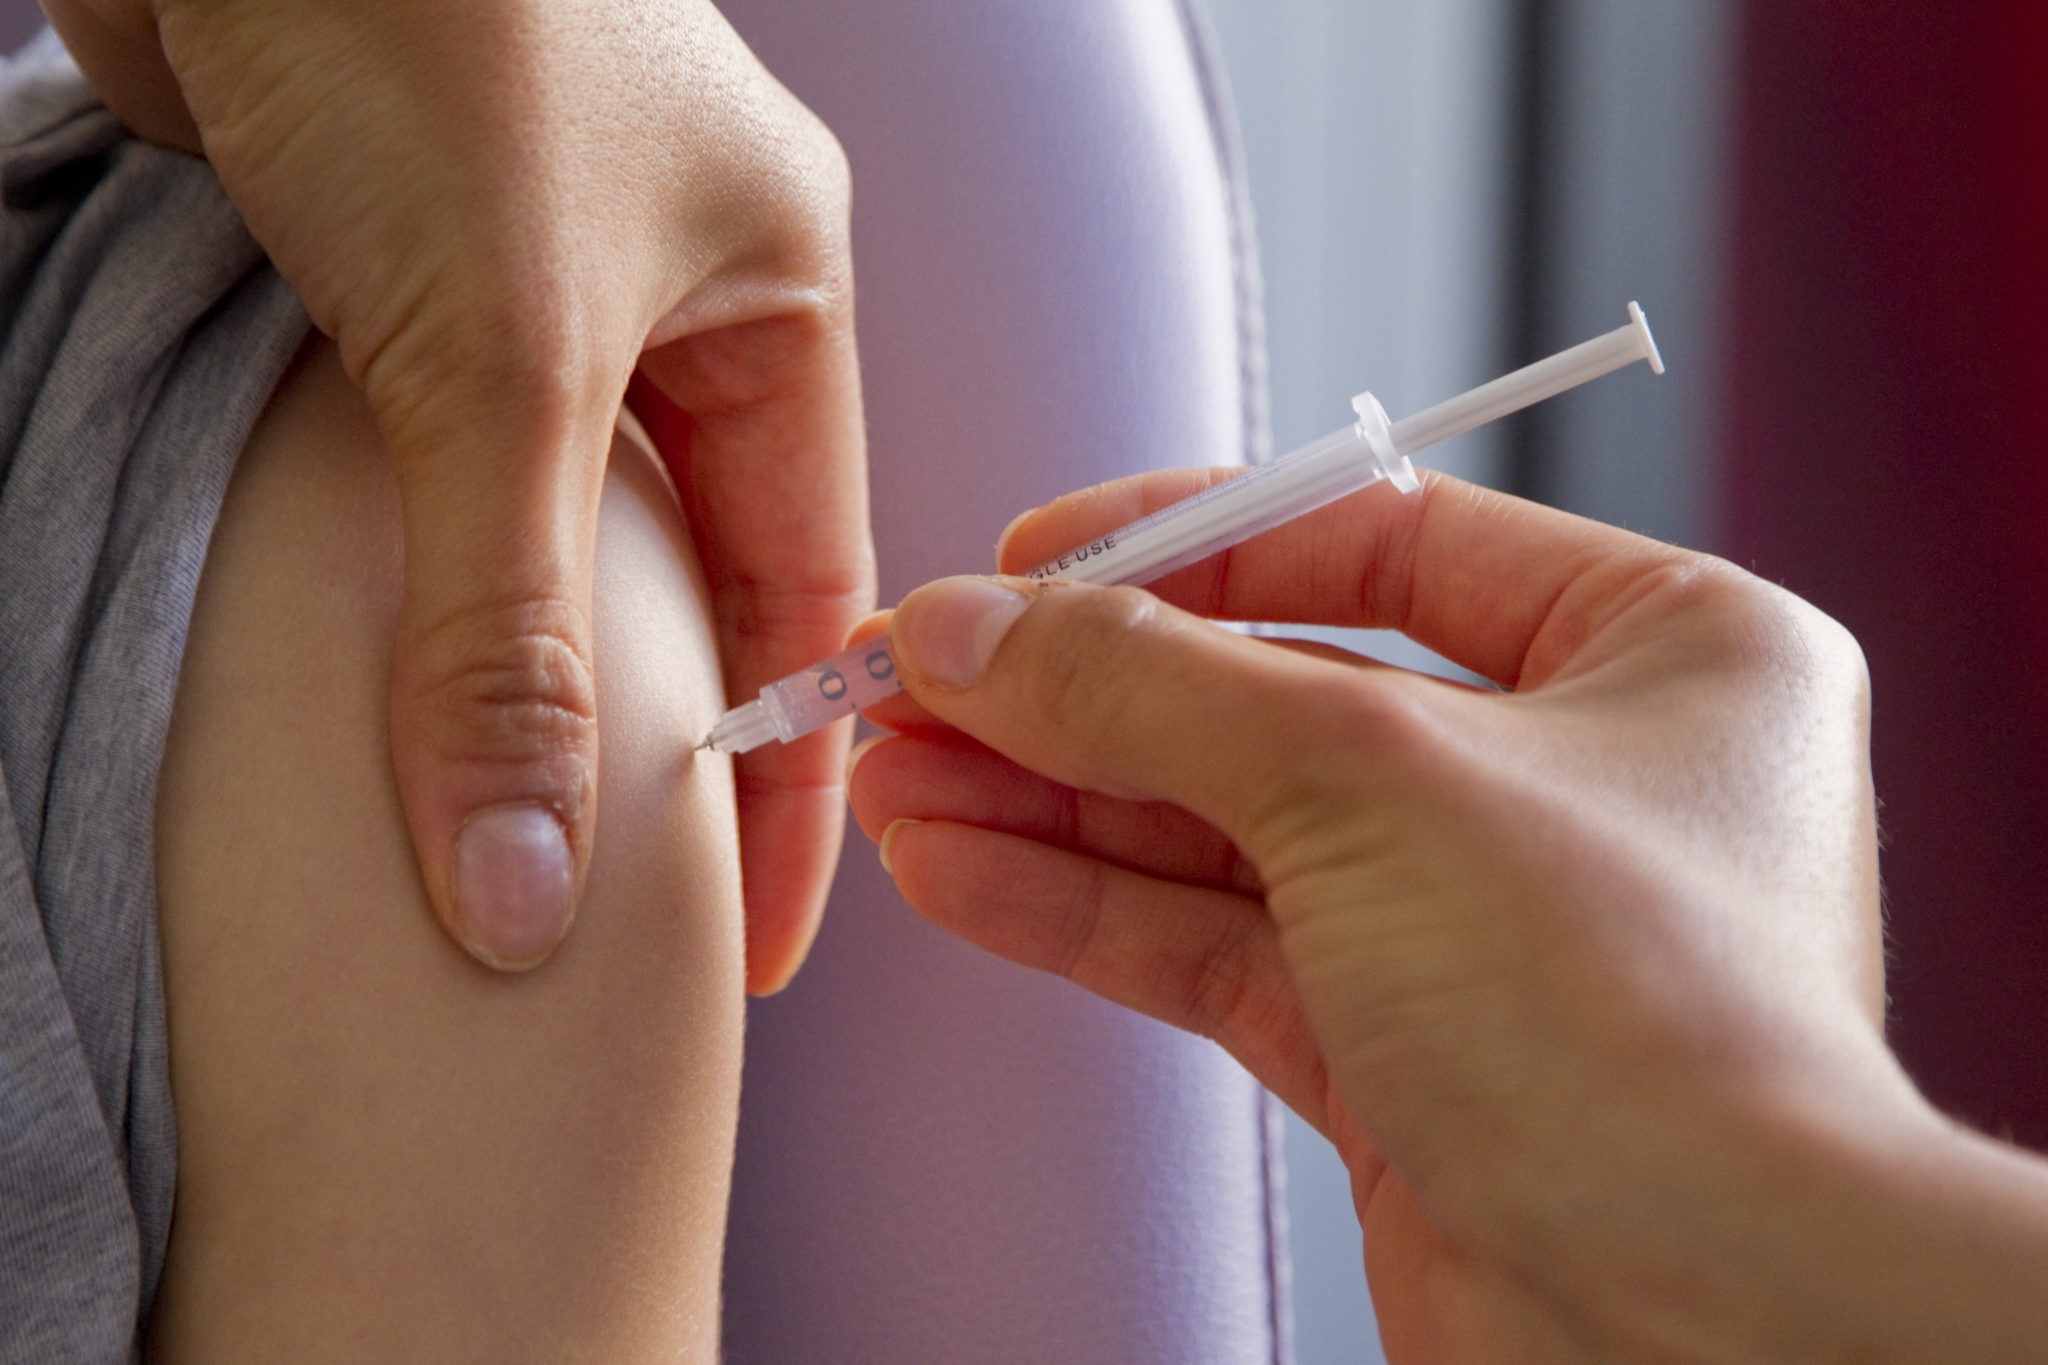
[(820, 230), (798, 208), (1757, 627), (830, 169), (1818, 647), (1081, 925), (540, 359), (1238, 992), (1092, 642), (813, 160), (1219, 987), (1348, 742), (508, 683)]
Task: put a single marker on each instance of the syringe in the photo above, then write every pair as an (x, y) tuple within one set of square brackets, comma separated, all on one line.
[(1220, 516)]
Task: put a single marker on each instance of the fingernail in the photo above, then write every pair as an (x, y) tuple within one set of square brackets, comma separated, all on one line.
[(859, 752), (514, 884), (949, 630), (887, 847), (1010, 530)]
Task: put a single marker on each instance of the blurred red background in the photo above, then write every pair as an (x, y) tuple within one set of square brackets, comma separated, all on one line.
[(1889, 461)]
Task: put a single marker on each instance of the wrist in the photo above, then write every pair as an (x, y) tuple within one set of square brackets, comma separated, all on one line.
[(1866, 1227), (1933, 1244)]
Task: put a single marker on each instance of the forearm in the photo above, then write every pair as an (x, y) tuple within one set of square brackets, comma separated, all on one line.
[(1879, 1235), (1930, 1245)]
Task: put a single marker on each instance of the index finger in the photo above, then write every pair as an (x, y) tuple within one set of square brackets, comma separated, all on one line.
[(1504, 587), (771, 465)]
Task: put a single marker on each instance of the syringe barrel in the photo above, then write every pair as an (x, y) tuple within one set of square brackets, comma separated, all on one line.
[(839, 686)]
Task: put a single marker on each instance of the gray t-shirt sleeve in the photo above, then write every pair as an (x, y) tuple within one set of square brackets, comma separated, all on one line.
[(141, 332)]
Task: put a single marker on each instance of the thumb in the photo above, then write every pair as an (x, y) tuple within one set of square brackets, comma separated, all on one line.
[(493, 689), (1113, 691)]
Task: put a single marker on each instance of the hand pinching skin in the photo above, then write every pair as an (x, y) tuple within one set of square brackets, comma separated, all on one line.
[(503, 212)]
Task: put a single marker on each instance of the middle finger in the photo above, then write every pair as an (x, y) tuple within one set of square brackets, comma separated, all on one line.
[(947, 776)]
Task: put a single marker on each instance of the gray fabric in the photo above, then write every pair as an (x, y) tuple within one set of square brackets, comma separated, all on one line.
[(141, 332)]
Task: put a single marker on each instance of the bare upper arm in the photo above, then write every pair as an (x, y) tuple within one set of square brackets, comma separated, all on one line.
[(388, 1151)]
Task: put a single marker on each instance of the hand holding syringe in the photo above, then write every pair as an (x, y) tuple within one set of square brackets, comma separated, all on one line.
[(1195, 528)]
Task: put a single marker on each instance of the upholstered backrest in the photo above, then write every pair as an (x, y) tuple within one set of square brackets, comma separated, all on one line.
[(943, 1157)]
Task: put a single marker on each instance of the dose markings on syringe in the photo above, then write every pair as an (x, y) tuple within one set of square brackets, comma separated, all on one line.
[(842, 684)]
